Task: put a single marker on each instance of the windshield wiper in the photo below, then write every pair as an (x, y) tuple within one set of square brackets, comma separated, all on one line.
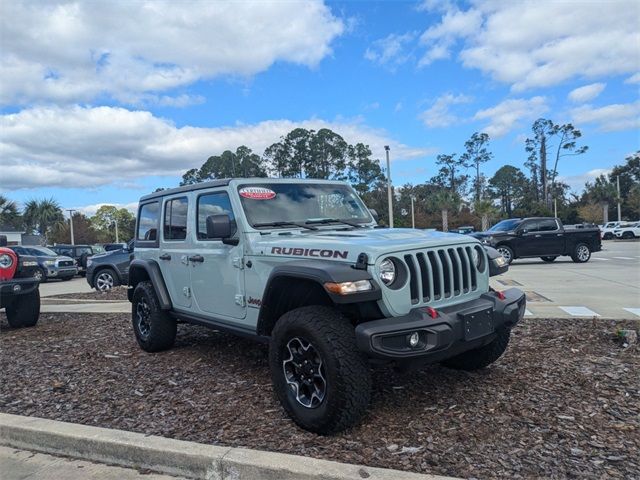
[(284, 224), (325, 221)]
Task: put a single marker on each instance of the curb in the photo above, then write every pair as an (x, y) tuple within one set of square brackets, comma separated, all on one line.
[(177, 457)]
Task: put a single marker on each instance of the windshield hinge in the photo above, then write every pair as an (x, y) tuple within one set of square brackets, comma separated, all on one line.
[(238, 262), (239, 300)]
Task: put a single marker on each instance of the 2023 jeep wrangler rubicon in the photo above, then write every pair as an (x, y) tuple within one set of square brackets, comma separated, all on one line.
[(302, 265)]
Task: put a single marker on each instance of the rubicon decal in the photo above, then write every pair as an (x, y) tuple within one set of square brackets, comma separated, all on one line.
[(310, 252), (257, 193)]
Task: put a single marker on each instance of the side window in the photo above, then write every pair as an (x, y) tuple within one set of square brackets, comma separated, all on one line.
[(530, 226), (547, 225), (175, 219), (148, 222), (64, 251), (81, 251), (213, 204)]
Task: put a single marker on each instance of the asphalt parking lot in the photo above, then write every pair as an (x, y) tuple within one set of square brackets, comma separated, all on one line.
[(608, 286)]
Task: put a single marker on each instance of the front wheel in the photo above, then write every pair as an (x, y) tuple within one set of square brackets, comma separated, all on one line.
[(24, 310), (154, 328), (321, 379), (548, 259), (506, 252), (105, 280), (481, 357), (40, 275), (607, 236), (581, 254)]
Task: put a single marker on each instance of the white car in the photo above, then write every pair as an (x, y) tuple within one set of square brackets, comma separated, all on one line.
[(628, 230), (606, 231)]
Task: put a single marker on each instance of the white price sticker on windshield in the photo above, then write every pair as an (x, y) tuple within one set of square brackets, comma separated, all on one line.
[(257, 193)]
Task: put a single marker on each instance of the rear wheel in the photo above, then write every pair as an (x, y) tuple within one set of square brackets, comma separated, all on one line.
[(549, 259), (581, 254), (481, 357), (105, 280), (24, 310), (627, 235), (321, 379), (607, 236), (154, 328), (40, 275), (506, 252)]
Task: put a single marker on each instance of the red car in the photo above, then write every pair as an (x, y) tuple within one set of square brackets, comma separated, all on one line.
[(19, 294)]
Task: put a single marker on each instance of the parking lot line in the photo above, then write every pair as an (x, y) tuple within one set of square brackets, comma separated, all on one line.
[(635, 311), (624, 258), (579, 311), (601, 259)]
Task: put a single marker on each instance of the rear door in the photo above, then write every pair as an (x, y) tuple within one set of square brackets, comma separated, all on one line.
[(545, 238), (175, 248)]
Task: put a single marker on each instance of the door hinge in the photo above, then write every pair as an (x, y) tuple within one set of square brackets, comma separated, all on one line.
[(238, 262), (240, 300), (187, 292)]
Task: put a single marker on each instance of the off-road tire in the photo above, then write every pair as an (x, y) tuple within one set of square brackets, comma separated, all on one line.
[(507, 253), (548, 259), (24, 310), (162, 328), (481, 357), (579, 255), (348, 379)]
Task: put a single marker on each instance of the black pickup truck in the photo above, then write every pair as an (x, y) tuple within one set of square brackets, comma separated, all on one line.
[(543, 237)]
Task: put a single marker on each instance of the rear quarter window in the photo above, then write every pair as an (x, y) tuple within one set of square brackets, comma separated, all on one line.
[(148, 221)]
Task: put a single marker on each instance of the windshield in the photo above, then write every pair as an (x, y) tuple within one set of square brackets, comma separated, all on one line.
[(40, 251), (505, 226), (300, 203)]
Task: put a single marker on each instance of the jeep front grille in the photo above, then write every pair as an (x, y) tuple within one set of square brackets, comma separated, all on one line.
[(440, 274)]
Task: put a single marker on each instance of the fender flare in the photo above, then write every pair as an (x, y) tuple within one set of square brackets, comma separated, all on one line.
[(154, 275)]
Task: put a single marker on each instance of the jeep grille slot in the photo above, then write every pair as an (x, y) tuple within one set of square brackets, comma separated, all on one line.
[(440, 274)]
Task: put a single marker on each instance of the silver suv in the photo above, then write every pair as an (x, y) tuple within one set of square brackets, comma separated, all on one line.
[(303, 265)]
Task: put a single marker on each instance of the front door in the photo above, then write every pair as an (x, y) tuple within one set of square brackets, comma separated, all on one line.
[(217, 275), (544, 238), (175, 251)]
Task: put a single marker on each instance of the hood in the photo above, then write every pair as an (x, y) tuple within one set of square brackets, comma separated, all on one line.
[(108, 254), (347, 245)]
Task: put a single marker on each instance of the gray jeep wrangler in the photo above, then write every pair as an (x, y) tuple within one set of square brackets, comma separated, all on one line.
[(302, 265)]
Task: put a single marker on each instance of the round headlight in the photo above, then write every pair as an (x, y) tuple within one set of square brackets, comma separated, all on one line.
[(387, 271), (5, 261)]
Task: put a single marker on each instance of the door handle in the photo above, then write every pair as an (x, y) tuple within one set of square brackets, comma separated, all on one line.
[(196, 258), (538, 236), (558, 234), (165, 256)]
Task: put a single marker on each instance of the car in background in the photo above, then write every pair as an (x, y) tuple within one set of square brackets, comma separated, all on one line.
[(606, 231), (50, 264), (110, 247), (19, 294), (628, 231), (109, 269), (464, 230), (79, 253)]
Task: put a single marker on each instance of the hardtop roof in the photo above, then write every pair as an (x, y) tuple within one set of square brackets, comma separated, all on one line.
[(226, 181)]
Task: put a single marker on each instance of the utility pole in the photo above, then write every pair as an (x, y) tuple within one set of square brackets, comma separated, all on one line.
[(389, 194), (555, 207), (619, 211), (413, 215), (116, 222), (71, 212)]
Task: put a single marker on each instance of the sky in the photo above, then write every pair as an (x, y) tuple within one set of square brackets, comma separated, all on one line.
[(102, 102)]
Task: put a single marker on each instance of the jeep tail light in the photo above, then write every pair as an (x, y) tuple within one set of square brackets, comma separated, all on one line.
[(347, 288)]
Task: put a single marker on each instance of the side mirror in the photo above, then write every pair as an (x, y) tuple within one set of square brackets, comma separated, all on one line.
[(521, 232), (221, 227), (374, 214)]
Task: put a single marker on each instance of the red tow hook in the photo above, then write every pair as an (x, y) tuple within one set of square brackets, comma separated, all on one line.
[(500, 295), (433, 313)]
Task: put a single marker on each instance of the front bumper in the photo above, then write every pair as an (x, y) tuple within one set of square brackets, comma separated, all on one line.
[(14, 287), (61, 272), (456, 329)]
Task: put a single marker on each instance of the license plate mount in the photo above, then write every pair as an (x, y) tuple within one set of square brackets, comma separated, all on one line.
[(478, 323)]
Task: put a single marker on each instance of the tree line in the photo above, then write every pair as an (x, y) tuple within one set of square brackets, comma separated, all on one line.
[(45, 217)]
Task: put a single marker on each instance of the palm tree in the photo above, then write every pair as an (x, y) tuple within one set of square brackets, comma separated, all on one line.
[(8, 211), (41, 215), (484, 208), (445, 201), (604, 192)]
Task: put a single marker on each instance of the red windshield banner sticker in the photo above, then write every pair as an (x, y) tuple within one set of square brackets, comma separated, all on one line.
[(257, 193)]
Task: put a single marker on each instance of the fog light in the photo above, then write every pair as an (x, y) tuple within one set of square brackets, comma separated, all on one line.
[(414, 339), (16, 288)]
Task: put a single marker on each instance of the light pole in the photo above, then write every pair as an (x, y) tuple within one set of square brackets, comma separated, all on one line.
[(116, 222), (71, 212), (413, 215), (389, 194), (619, 212)]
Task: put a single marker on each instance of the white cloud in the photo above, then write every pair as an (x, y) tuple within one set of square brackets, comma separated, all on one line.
[(507, 115), (618, 116), (391, 50), (90, 210), (586, 93), (635, 78), (540, 44), (70, 51), (439, 115), (89, 147), (577, 182)]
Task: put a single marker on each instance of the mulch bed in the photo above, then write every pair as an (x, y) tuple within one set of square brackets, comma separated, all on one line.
[(116, 293), (563, 401)]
